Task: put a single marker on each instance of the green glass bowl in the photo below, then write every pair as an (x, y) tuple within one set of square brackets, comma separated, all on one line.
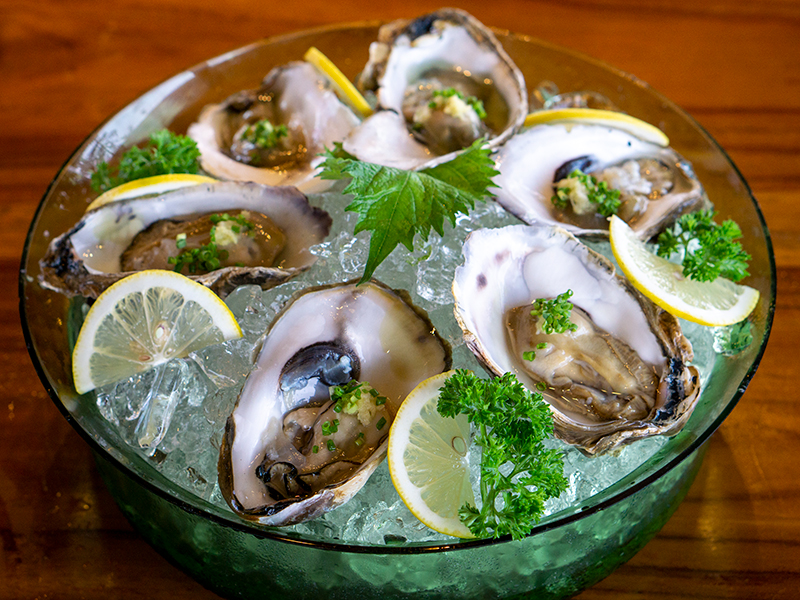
[(566, 552)]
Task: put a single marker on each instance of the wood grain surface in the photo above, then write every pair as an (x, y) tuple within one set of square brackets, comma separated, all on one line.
[(734, 65)]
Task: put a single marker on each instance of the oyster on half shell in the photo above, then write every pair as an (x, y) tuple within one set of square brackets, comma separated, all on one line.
[(295, 96), (125, 236), (277, 464), (428, 75), (657, 185), (622, 375)]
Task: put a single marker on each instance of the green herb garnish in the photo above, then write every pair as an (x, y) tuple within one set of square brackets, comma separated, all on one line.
[(263, 134), (517, 473), (381, 422), (707, 250), (606, 199), (164, 153), (396, 205), (472, 101), (205, 258), (555, 313), (529, 355), (242, 223), (331, 446)]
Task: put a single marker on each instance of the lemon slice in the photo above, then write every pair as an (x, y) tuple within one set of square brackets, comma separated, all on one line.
[(716, 303), (342, 85), (157, 184), (144, 320), (428, 459), (632, 125)]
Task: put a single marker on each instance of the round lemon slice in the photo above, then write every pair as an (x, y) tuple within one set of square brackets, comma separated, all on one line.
[(632, 125), (342, 85), (428, 459), (144, 320), (157, 184), (715, 303)]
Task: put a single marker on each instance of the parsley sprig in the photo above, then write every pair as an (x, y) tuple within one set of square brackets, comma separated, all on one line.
[(707, 250), (165, 152), (606, 199), (555, 313), (517, 473), (396, 205)]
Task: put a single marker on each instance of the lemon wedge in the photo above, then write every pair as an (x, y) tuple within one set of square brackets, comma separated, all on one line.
[(428, 459), (144, 320), (341, 84), (632, 125), (714, 303), (157, 184)]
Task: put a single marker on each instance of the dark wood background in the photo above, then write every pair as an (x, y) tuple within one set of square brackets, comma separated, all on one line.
[(732, 64)]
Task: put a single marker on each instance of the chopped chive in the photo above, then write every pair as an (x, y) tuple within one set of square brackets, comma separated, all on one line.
[(360, 438), (541, 386), (373, 392), (337, 408), (331, 446), (529, 355), (379, 425), (380, 400), (326, 428), (315, 449), (180, 240), (541, 345)]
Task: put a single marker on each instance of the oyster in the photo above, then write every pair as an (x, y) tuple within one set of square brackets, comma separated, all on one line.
[(657, 185), (269, 468), (242, 138), (622, 375), (118, 238), (442, 81)]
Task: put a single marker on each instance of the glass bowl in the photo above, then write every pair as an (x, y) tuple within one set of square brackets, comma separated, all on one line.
[(568, 551)]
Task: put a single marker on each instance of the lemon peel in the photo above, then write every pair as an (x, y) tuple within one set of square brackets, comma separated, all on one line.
[(342, 85), (618, 120)]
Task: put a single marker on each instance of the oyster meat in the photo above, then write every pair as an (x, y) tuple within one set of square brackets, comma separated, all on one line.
[(274, 134), (442, 81), (656, 184), (282, 459), (263, 236), (623, 374)]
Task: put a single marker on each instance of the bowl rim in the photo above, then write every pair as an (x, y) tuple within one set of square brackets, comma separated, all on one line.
[(553, 521)]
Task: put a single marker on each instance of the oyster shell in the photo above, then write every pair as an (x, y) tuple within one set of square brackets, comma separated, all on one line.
[(623, 375), (88, 258), (294, 95), (329, 335), (411, 64), (657, 184)]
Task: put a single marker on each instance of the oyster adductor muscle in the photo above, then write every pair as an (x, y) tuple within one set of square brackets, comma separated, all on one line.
[(656, 184), (441, 81), (121, 237), (621, 375), (282, 461)]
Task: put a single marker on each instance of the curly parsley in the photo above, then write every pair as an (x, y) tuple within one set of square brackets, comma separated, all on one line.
[(707, 250), (165, 152), (517, 473)]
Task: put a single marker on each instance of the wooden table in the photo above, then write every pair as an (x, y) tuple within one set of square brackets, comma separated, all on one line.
[(733, 64)]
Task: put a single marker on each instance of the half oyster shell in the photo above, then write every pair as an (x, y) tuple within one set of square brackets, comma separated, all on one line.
[(657, 184), (269, 469), (88, 258), (424, 73), (294, 95), (623, 375)]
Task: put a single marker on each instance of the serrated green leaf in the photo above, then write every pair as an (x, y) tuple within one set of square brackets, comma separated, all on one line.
[(397, 205)]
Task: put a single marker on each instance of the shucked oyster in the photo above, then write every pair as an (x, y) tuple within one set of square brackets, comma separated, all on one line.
[(657, 185), (279, 464), (274, 134), (622, 375), (442, 81), (276, 227)]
